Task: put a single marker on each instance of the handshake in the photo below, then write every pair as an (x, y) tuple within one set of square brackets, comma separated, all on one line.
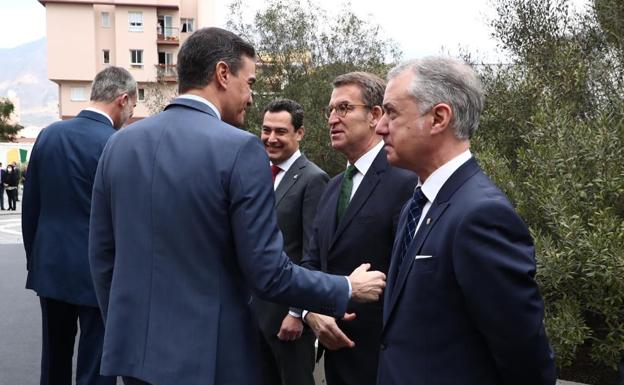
[(366, 286)]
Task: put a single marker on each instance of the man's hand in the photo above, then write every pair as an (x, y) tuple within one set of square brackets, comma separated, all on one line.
[(328, 332), (366, 286), (291, 328)]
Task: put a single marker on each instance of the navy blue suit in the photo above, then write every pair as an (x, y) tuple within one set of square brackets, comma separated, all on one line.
[(365, 234), (471, 313), (55, 227), (174, 278)]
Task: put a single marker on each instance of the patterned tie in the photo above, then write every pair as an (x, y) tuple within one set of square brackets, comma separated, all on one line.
[(345, 191), (274, 171), (413, 216)]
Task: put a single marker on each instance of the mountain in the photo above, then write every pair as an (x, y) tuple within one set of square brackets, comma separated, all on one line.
[(25, 72)]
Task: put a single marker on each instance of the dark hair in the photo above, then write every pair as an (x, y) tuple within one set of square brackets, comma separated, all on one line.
[(293, 108), (201, 52), (112, 82), (371, 85)]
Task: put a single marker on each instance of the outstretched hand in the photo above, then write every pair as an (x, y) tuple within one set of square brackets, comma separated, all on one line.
[(327, 331), (366, 286)]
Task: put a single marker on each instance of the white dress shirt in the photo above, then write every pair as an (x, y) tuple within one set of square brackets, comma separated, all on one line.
[(202, 100), (363, 164), (437, 179), (284, 167), (97, 111)]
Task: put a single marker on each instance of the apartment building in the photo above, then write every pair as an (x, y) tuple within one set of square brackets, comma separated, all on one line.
[(142, 36)]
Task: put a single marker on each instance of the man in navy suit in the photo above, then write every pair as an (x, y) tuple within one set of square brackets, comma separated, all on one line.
[(174, 281), (288, 354), (355, 223), (55, 227), (462, 306)]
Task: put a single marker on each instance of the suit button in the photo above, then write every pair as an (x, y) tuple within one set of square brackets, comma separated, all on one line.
[(383, 346)]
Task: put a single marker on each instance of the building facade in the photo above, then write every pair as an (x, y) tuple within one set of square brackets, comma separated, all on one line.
[(142, 36)]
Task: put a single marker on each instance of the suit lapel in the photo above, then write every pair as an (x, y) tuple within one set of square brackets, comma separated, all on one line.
[(290, 178), (437, 209), (367, 186)]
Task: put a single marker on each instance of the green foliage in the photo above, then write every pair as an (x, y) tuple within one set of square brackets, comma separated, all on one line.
[(300, 51), (8, 131), (552, 136)]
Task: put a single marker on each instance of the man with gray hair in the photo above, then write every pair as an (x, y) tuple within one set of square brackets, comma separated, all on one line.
[(461, 305), (55, 227)]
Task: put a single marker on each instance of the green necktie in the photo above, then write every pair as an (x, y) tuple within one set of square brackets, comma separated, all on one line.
[(345, 190)]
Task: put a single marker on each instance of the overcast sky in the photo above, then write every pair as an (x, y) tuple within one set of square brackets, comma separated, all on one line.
[(419, 26)]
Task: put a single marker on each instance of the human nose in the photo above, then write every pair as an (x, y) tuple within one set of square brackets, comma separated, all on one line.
[(382, 126)]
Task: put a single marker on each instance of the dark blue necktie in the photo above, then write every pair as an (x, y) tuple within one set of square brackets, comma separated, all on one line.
[(413, 216)]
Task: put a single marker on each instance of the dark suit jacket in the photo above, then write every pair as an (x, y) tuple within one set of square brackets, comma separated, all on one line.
[(470, 314), (365, 234), (296, 199), (174, 278), (56, 206)]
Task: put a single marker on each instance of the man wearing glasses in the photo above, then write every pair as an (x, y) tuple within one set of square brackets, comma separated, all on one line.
[(355, 222)]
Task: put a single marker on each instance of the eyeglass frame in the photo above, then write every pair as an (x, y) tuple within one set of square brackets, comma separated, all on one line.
[(345, 106)]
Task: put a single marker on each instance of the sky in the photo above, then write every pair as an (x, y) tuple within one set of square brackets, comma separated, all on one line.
[(420, 27)]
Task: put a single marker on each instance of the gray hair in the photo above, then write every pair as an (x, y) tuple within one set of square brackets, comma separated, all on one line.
[(112, 82), (446, 80)]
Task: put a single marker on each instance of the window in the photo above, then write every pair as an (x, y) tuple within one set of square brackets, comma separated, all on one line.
[(141, 94), (105, 19), (136, 57), (187, 25), (106, 56), (77, 94), (135, 21)]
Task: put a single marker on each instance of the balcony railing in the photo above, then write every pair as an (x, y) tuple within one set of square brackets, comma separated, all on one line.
[(166, 72), (167, 35)]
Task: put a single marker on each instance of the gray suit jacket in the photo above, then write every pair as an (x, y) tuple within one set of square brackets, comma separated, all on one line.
[(296, 198), (174, 278)]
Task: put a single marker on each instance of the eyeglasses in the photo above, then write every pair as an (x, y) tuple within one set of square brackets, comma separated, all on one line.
[(342, 109)]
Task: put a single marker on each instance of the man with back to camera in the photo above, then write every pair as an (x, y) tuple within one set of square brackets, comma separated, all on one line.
[(174, 281), (288, 346), (55, 227), (355, 222), (462, 306)]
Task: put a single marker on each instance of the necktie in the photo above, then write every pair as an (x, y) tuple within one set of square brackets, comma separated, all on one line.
[(274, 171), (345, 191), (413, 216)]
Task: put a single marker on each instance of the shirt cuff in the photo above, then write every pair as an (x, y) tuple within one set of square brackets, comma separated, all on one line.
[(350, 288), (303, 315)]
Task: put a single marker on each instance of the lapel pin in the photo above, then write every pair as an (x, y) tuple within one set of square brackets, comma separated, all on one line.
[(428, 220), (295, 177)]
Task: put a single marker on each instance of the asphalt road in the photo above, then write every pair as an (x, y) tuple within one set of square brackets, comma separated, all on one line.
[(20, 317)]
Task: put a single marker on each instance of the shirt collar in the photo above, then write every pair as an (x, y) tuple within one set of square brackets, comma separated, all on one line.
[(198, 98), (366, 160), (436, 180), (97, 111), (285, 165)]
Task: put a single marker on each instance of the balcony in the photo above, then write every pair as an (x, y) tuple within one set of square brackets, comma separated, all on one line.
[(166, 72), (167, 35)]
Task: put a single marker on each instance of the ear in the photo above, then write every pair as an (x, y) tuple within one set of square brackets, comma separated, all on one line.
[(123, 99), (377, 113), (222, 74), (441, 114), (300, 133)]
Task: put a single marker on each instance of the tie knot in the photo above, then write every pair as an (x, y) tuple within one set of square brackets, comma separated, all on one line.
[(351, 171), (419, 197), (275, 170)]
